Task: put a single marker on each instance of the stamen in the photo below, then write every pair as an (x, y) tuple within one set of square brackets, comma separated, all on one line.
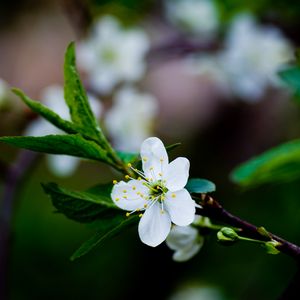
[(162, 207), (153, 201), (173, 195), (150, 187), (117, 199), (115, 181), (140, 215)]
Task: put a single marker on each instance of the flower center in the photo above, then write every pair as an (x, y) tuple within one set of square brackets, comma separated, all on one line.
[(157, 190)]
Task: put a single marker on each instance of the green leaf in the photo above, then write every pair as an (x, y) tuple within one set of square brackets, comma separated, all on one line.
[(76, 98), (109, 229), (280, 164), (291, 77), (128, 157), (85, 206), (200, 186), (171, 147), (72, 144), (47, 113)]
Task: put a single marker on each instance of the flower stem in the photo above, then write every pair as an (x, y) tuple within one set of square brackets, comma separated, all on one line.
[(214, 210)]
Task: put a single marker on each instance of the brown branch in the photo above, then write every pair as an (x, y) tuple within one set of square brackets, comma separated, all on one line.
[(213, 209), (13, 178)]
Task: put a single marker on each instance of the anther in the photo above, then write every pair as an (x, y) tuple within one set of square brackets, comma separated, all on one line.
[(173, 196), (129, 165), (115, 181), (140, 215), (127, 214), (127, 176)]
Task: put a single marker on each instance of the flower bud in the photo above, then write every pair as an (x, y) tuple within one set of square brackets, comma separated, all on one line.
[(227, 236)]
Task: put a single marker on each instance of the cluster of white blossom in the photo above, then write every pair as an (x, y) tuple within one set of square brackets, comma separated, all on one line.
[(111, 57), (165, 207), (113, 54), (130, 119), (250, 59), (199, 17)]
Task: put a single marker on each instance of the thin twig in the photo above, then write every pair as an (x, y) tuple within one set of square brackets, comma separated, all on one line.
[(213, 209), (13, 179)]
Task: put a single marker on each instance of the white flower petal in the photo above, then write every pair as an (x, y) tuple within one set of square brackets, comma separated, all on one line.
[(62, 165), (189, 251), (180, 206), (177, 174), (154, 226), (130, 195), (154, 157), (181, 236)]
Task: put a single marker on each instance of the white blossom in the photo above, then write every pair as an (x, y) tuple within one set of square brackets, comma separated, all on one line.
[(195, 16), (198, 292), (130, 120), (113, 54), (253, 54), (159, 193), (186, 240), (53, 98)]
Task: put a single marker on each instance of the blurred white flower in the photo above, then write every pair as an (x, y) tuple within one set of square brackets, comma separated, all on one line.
[(195, 16), (186, 240), (253, 54), (130, 120), (53, 98), (198, 292), (4, 91), (113, 54)]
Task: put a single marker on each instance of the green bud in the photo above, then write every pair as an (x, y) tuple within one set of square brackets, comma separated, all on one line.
[(271, 247), (227, 236), (262, 231)]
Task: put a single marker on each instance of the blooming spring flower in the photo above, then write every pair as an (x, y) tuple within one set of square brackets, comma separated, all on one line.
[(195, 16), (252, 56), (53, 98), (158, 193), (130, 120), (186, 240), (113, 54)]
